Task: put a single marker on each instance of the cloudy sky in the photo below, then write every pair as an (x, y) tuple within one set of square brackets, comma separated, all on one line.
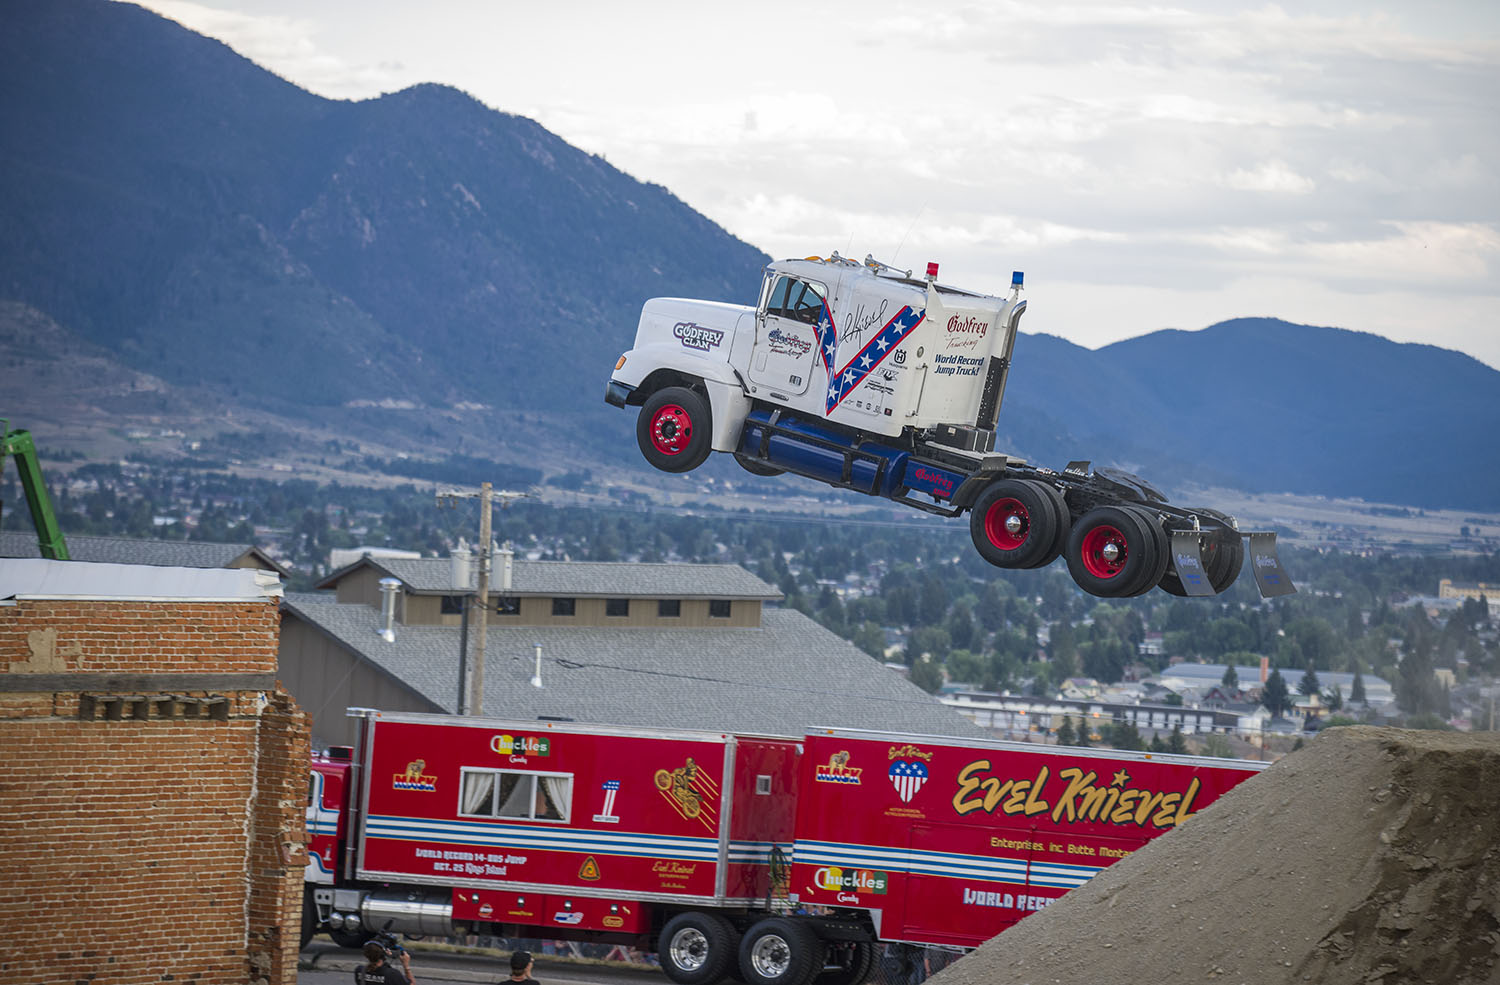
[(1148, 166)]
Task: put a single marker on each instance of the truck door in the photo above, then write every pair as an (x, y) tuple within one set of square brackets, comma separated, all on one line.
[(786, 334)]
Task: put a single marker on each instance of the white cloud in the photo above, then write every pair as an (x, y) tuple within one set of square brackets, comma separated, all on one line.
[(1269, 176)]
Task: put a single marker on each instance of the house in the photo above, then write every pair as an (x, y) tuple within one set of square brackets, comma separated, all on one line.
[(159, 553), (699, 646)]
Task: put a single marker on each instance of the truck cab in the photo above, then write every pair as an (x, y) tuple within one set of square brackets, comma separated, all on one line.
[(859, 345)]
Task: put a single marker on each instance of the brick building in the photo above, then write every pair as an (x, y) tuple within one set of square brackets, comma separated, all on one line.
[(152, 825)]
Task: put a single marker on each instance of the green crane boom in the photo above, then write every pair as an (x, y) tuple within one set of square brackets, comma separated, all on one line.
[(18, 445)]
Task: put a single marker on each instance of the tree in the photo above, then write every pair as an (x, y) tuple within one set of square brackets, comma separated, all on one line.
[(927, 675), (1276, 698), (1175, 742), (1230, 680), (1215, 744), (1357, 689), (1065, 734), (1156, 745), (1126, 736), (1309, 684), (871, 639)]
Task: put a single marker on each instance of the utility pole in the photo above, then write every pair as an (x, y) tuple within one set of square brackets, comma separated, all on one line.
[(472, 668), (476, 696)]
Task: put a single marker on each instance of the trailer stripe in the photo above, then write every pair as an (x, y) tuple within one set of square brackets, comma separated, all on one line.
[(535, 838), (950, 864)]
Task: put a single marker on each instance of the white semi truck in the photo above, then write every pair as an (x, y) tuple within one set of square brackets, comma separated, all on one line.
[(864, 377)]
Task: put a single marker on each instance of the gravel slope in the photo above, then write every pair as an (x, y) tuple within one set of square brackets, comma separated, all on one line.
[(1370, 857)]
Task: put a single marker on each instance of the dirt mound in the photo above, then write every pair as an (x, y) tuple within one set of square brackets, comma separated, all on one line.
[(1371, 857)]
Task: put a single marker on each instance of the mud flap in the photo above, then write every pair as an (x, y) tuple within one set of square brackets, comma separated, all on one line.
[(1187, 559), (1270, 576)]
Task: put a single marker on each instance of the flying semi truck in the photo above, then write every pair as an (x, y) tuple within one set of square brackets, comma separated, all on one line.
[(864, 377)]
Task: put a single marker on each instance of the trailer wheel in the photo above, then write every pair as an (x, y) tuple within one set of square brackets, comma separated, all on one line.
[(1111, 552), (673, 429), (1013, 523), (1223, 556), (848, 963), (697, 948), (780, 951)]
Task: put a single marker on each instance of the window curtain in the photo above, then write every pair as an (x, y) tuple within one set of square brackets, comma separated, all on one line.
[(478, 793)]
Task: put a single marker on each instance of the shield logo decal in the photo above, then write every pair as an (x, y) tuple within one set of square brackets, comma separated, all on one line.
[(907, 778)]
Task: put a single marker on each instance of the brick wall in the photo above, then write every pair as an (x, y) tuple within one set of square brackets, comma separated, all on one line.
[(152, 794)]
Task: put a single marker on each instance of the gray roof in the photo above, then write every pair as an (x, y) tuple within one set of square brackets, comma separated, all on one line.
[(583, 579), (127, 550), (35, 578), (783, 678)]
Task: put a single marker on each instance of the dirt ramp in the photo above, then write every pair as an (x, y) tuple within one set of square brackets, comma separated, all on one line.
[(1371, 857)]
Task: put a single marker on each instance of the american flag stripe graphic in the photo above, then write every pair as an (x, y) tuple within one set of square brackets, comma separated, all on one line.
[(611, 787), (907, 778), (842, 382)]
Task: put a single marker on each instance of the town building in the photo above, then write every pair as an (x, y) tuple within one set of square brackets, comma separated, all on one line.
[(701, 646), (160, 553)]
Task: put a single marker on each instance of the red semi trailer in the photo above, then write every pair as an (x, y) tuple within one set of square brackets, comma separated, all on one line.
[(773, 859)]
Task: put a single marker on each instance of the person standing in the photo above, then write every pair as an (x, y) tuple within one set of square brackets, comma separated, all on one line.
[(520, 969), (379, 970)]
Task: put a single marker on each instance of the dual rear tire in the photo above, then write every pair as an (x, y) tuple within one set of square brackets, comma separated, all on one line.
[(1019, 523), (1118, 551), (698, 948)]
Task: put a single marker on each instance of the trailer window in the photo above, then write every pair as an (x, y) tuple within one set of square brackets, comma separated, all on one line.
[(507, 793)]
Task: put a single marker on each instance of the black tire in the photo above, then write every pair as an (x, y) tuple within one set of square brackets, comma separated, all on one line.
[(755, 467), (674, 429), (1064, 524), (780, 951), (1223, 553), (1111, 552), (1160, 549), (352, 939), (309, 918), (697, 948), (847, 963), (1013, 523)]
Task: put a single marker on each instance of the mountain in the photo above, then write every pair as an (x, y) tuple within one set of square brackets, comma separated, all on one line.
[(212, 223), (217, 250)]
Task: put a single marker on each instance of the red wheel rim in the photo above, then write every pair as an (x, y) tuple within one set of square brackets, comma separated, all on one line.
[(671, 429), (1098, 545), (997, 521)]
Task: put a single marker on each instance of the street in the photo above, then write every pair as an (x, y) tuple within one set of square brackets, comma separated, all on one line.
[(324, 963)]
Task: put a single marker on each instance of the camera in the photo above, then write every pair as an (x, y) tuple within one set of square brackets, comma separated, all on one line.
[(388, 940)]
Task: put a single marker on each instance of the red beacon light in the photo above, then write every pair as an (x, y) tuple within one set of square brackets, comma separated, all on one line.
[(932, 269)]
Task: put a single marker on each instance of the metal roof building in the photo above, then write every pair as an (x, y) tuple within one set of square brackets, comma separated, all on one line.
[(659, 645), (162, 553)]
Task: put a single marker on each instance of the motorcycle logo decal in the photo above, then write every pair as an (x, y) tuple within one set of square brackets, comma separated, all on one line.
[(611, 787), (907, 778), (691, 792), (842, 381)]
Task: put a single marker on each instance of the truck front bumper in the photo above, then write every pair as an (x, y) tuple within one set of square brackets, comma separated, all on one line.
[(617, 393)]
